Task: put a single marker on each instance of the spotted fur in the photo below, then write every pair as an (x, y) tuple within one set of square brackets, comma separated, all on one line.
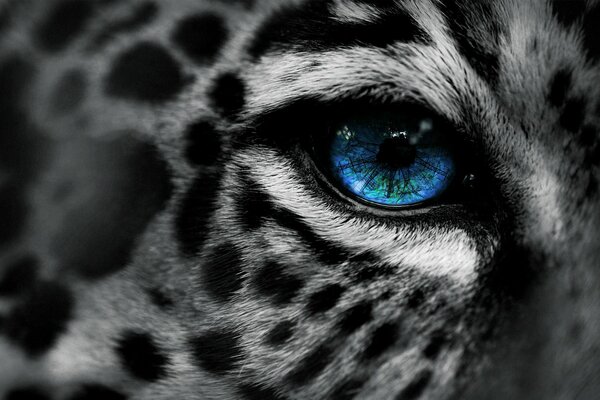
[(164, 236)]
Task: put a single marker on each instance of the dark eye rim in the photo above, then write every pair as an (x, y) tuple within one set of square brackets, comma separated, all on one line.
[(317, 147), (326, 180), (295, 128)]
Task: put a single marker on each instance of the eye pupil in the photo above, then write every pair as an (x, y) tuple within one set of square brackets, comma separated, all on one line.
[(396, 152)]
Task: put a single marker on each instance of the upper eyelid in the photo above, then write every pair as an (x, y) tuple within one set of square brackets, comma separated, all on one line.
[(355, 96), (352, 73), (332, 108), (278, 125)]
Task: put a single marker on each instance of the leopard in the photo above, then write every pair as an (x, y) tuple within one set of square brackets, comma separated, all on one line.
[(169, 230)]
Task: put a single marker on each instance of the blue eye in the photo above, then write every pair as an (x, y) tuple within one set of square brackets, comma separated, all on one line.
[(391, 159)]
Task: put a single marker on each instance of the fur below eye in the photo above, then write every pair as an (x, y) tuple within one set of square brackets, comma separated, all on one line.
[(391, 159)]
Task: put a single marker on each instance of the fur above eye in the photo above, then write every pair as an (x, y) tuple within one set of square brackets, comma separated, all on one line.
[(390, 159)]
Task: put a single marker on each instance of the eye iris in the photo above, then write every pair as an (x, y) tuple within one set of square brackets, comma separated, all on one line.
[(391, 161), (396, 152)]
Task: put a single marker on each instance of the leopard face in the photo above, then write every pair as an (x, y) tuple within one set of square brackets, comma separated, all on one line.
[(174, 227)]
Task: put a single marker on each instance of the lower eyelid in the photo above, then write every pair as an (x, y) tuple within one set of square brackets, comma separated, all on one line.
[(432, 241)]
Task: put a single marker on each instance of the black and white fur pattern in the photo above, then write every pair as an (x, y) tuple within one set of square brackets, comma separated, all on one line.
[(164, 240)]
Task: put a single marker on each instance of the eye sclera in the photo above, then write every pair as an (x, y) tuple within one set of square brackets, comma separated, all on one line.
[(389, 160)]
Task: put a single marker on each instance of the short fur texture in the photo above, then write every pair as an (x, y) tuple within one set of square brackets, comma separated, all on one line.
[(165, 236)]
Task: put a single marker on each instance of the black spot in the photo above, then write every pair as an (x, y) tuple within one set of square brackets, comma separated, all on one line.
[(201, 36), (272, 281), (147, 73), (217, 351), (228, 95), (592, 157), (513, 273), (348, 390), (203, 144), (97, 392), (69, 92), (143, 14), (16, 74), (477, 35), (258, 392), (386, 294), (590, 139), (355, 317), (365, 257), (221, 273), (310, 27), (19, 276), (37, 321), (382, 339), (244, 3), (559, 87), (140, 356), (280, 333), (131, 184), (324, 299), (255, 205), (574, 332), (5, 18), (109, 2), (534, 45), (370, 272), (379, 3), (13, 211), (27, 393), (591, 30), (22, 148), (591, 189), (573, 114), (195, 210), (415, 388), (567, 11), (326, 251), (437, 341), (311, 365), (588, 136), (159, 299), (63, 24), (415, 298)]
